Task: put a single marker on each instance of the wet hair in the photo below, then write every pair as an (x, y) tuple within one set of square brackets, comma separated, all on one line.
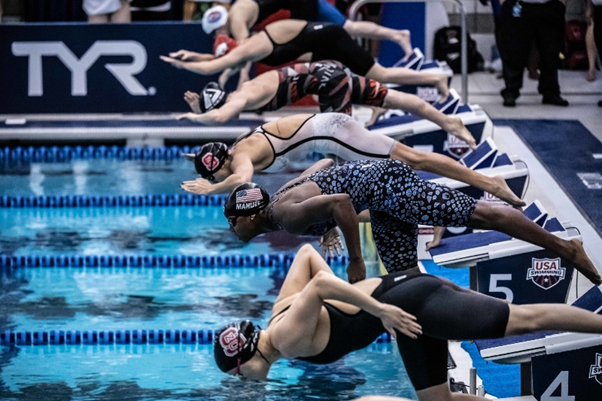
[(210, 158), (245, 200), (235, 344)]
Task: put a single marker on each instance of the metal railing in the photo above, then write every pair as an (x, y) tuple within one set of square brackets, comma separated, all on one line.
[(464, 49)]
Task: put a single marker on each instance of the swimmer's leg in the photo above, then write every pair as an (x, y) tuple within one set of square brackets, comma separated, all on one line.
[(490, 216), (405, 76), (370, 30), (530, 318), (447, 167), (418, 107), (396, 241)]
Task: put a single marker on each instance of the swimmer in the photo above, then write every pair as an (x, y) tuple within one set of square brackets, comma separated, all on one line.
[(320, 318), (325, 197), (337, 89), (288, 40), (273, 146), (243, 15)]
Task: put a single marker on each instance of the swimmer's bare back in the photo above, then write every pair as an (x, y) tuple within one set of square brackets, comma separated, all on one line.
[(256, 145)]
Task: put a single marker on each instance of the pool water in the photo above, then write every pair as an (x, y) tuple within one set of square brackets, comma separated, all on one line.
[(187, 372), (111, 299), (95, 177)]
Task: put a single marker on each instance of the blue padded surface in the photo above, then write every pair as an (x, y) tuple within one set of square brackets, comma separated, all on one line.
[(464, 108), (502, 160), (393, 121), (468, 241), (473, 157), (553, 225), (168, 123), (532, 211), (430, 64), (475, 240), (590, 301), (425, 175)]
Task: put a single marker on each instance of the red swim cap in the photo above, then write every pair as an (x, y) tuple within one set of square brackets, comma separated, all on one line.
[(223, 45)]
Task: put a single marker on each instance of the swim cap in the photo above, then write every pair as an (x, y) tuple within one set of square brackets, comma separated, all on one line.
[(214, 18), (245, 200), (210, 158), (223, 45), (212, 97), (233, 343)]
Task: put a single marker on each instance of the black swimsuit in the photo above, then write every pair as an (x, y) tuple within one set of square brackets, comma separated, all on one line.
[(444, 310), (325, 42)]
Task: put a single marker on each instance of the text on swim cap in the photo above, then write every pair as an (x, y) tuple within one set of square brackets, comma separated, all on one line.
[(229, 338)]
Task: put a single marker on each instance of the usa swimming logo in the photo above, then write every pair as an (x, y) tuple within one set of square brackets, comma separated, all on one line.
[(455, 147), (546, 273), (487, 197), (595, 371)]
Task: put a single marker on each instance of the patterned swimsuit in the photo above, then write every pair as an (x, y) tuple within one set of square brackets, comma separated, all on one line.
[(398, 201)]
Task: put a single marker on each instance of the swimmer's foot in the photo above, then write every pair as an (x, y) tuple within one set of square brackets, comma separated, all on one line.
[(437, 235), (403, 40), (590, 76), (582, 262), (501, 190), (456, 127), (376, 113)]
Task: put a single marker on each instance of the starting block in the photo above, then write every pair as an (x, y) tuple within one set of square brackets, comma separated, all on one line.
[(559, 365)]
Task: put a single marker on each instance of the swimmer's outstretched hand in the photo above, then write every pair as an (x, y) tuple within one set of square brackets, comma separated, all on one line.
[(174, 62), (356, 271), (395, 318), (200, 186), (331, 242), (193, 100), (186, 55), (438, 234)]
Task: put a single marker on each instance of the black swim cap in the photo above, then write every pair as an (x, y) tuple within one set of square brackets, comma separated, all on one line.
[(245, 200), (210, 158), (212, 97), (235, 344)]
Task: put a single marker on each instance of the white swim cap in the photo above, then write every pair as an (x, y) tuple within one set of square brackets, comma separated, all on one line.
[(214, 18)]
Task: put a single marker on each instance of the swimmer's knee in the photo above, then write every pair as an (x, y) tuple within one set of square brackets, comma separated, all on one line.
[(487, 215), (306, 250), (410, 156)]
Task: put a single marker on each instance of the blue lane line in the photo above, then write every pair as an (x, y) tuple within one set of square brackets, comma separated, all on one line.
[(77, 337)]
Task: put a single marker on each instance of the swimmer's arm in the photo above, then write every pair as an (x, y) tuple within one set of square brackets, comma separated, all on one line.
[(299, 216), (306, 265), (253, 50), (291, 334), (187, 55), (243, 170)]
